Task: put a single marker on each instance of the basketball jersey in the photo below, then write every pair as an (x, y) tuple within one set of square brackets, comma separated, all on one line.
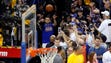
[(47, 31)]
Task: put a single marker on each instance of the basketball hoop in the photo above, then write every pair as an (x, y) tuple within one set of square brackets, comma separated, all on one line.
[(46, 54)]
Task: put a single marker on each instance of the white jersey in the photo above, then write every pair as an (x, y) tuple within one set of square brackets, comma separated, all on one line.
[(105, 28)]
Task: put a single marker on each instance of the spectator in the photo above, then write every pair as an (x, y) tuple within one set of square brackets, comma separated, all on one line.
[(74, 3), (98, 49), (35, 59), (47, 29), (66, 38), (80, 16), (103, 40), (70, 47), (105, 27), (82, 7), (58, 58), (52, 38), (76, 55), (73, 21), (63, 54), (73, 32), (69, 50), (82, 43), (20, 8), (99, 3), (87, 50), (107, 55), (107, 7), (89, 20), (81, 21), (92, 58), (89, 38), (56, 43), (73, 12), (62, 42), (94, 12), (64, 21)]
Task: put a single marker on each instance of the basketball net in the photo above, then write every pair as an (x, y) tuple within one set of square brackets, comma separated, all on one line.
[(46, 55)]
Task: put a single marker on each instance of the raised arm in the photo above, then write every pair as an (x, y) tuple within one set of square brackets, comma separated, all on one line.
[(54, 19)]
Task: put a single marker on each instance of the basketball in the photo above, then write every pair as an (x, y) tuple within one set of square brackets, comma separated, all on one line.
[(49, 8)]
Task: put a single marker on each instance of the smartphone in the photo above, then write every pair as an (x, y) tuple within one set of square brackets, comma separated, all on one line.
[(59, 29)]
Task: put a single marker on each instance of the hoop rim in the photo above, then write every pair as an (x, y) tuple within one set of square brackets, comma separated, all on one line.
[(41, 51)]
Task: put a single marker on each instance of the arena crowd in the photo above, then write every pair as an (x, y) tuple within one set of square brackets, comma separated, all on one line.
[(80, 30)]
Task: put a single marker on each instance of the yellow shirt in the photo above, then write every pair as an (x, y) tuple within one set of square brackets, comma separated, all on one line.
[(73, 58), (13, 3), (1, 40)]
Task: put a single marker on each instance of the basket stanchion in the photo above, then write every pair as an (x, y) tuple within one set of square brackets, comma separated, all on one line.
[(23, 52), (28, 31)]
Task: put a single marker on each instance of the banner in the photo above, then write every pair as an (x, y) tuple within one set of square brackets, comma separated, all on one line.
[(10, 52)]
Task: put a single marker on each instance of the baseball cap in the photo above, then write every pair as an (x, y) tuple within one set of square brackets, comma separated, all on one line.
[(106, 13)]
